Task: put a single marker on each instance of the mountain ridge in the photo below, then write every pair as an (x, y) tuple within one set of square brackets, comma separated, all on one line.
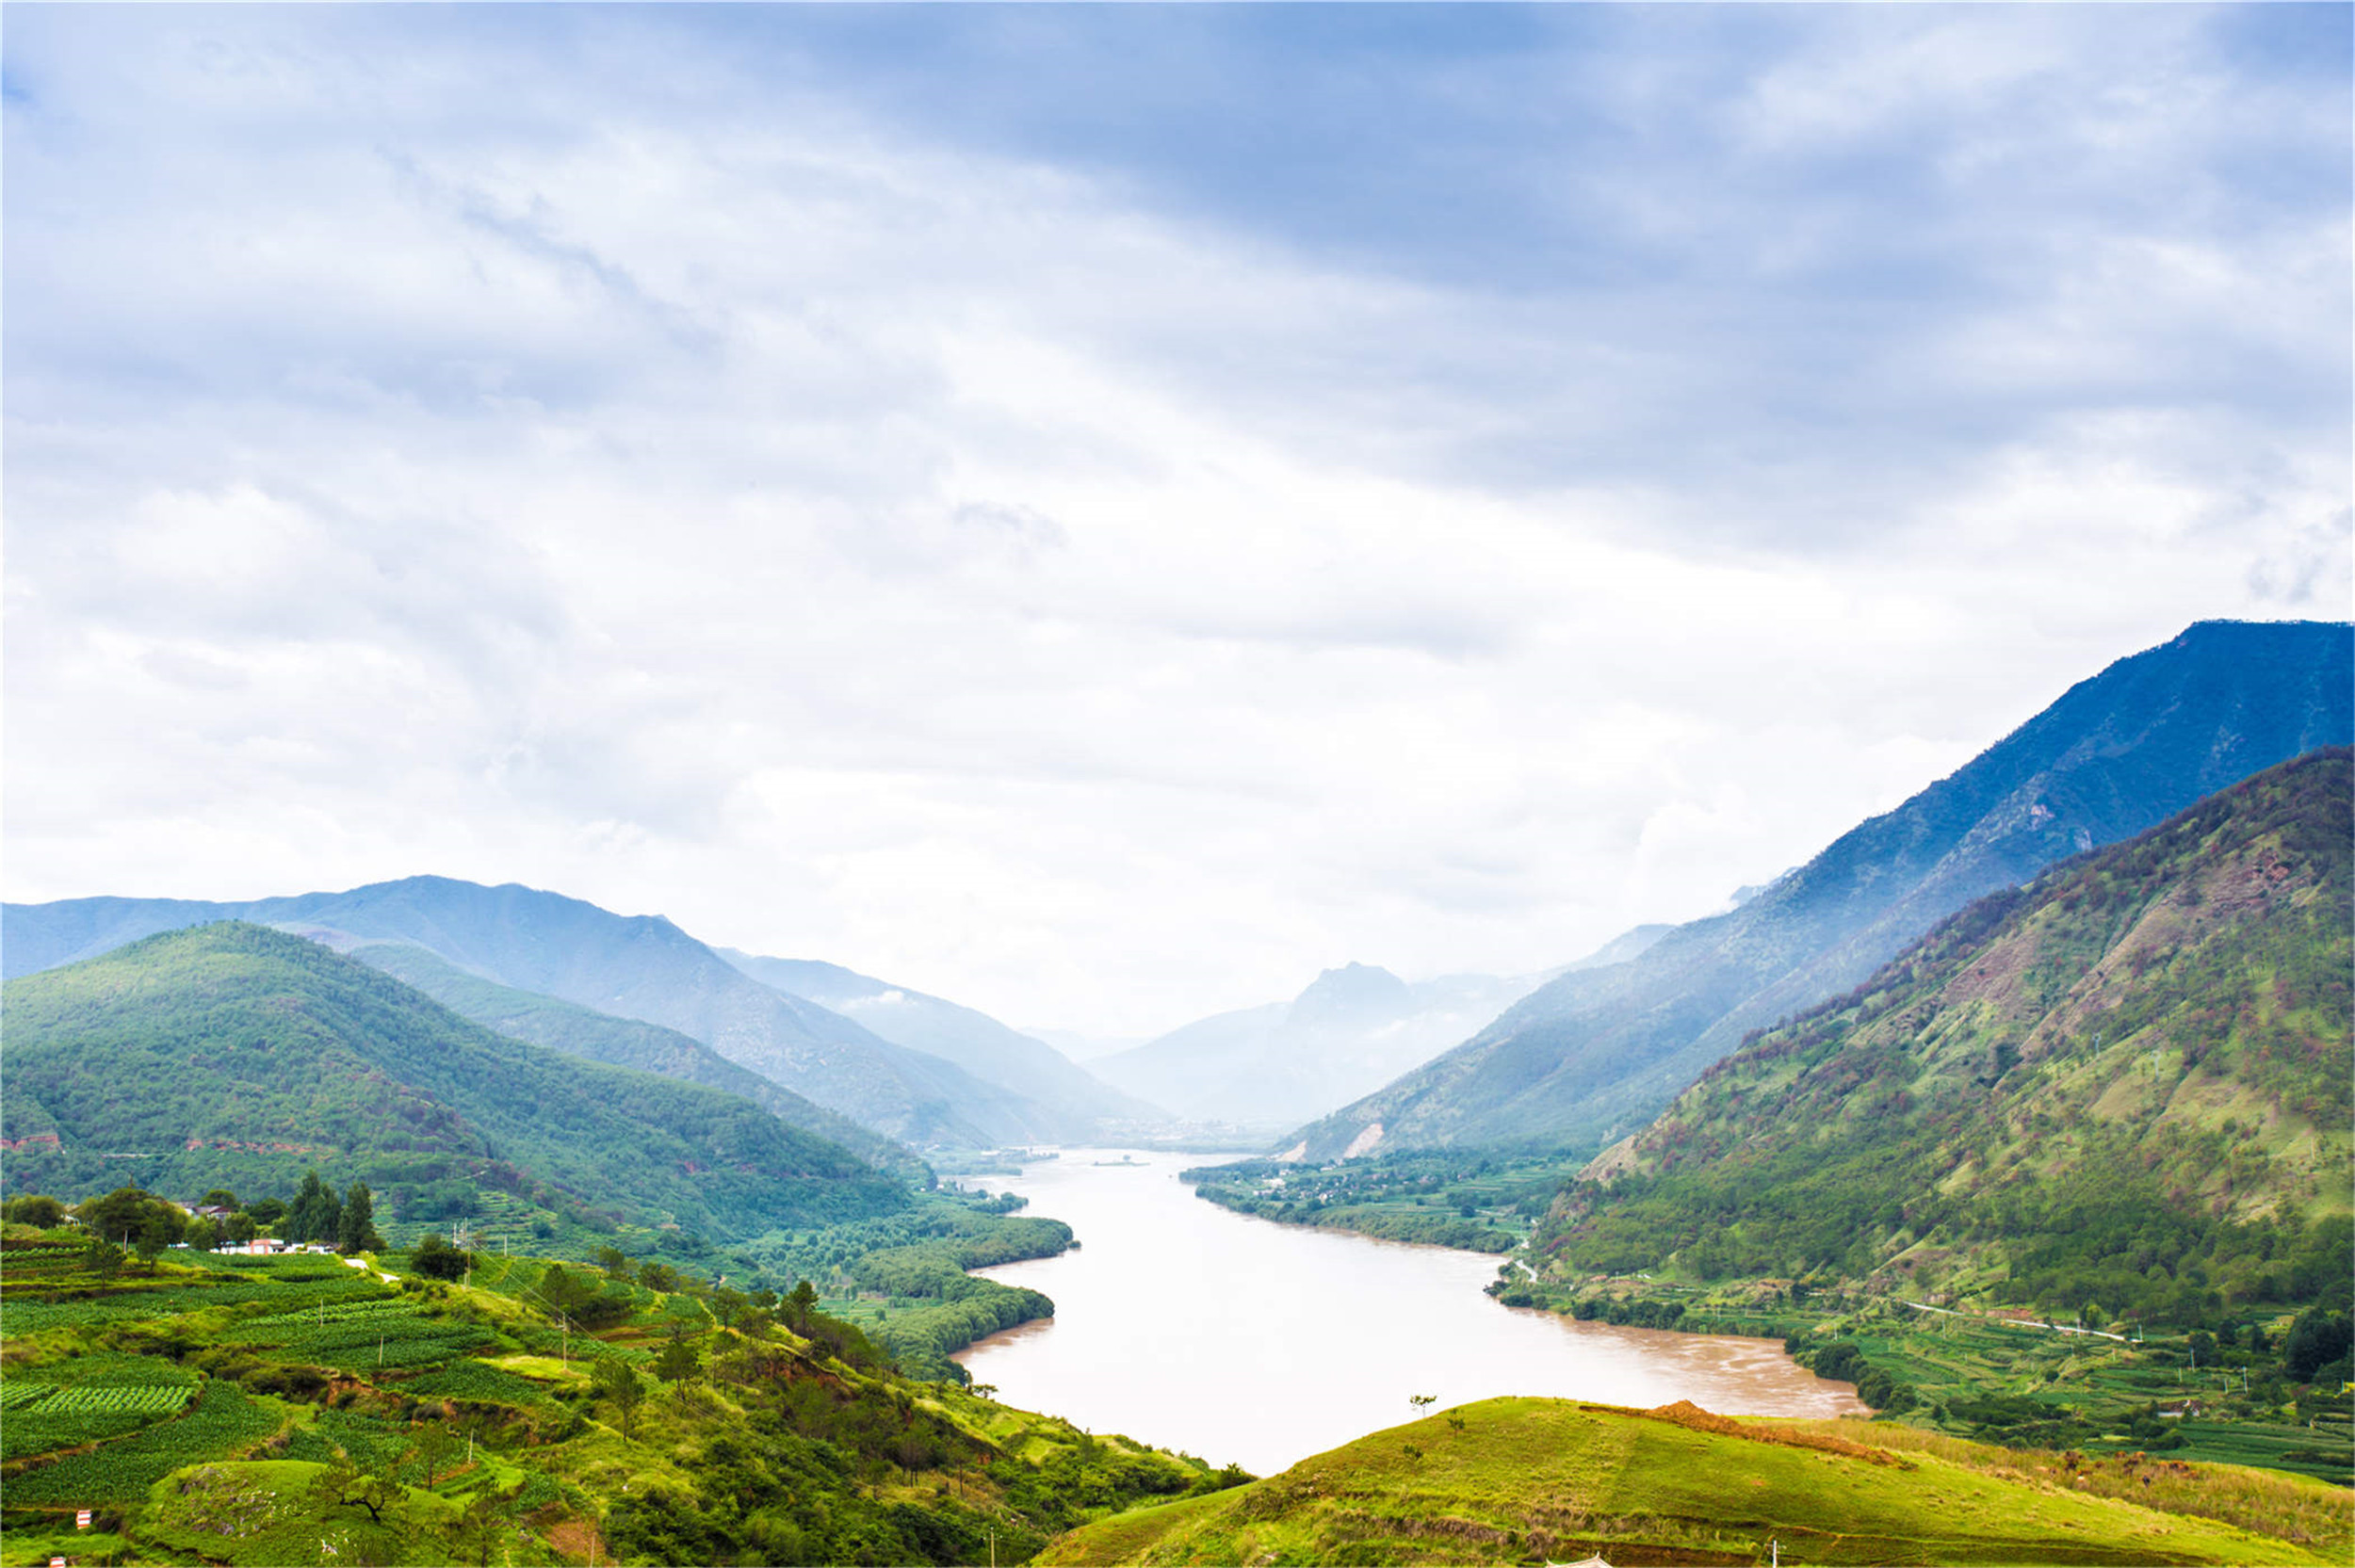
[(642, 967), (1595, 1053), (228, 1053)]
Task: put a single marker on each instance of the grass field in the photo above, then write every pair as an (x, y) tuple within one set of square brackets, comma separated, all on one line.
[(1539, 1479)]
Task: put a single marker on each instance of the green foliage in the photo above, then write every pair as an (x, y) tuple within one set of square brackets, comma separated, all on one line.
[(223, 1422), (2058, 1093), (229, 1044)]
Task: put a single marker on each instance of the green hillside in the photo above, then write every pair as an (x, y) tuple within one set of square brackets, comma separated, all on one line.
[(2126, 1085), (1596, 1054), (295, 1411), (1528, 1480), (579, 1031), (233, 1055)]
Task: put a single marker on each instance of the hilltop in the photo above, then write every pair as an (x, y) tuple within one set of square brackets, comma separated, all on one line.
[(639, 967), (1520, 1480), (2125, 1085), (1596, 1054), (232, 1056)]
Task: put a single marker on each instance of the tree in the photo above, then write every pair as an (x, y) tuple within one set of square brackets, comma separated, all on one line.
[(344, 1484), (614, 1379), (139, 1219), (475, 1530), (220, 1197), (436, 1259), (1422, 1401), (679, 1364), (355, 1229), (658, 1276), (615, 1262), (799, 1304), (317, 1214), (33, 1209), (267, 1211), (436, 1444)]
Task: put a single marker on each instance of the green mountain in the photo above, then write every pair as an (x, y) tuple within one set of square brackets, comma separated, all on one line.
[(1551, 1481), (642, 967), (594, 1036), (232, 1056), (1086, 1108), (2127, 1084), (1596, 1053)]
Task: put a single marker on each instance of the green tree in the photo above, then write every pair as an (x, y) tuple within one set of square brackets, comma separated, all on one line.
[(436, 1259), (471, 1536), (436, 1444), (131, 1215), (316, 1215), (614, 1379), (345, 1485), (679, 1364), (615, 1262), (34, 1209), (220, 1197), (799, 1304), (355, 1228)]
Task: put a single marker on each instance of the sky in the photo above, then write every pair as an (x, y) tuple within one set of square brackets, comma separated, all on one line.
[(1102, 513)]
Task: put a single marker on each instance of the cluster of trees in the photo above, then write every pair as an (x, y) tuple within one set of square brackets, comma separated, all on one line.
[(136, 1219), (346, 1223)]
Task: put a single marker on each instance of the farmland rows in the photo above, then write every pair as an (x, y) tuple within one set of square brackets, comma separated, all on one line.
[(222, 1423), (119, 1399)]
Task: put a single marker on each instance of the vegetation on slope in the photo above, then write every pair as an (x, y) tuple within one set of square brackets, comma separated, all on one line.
[(291, 1410), (230, 1055), (579, 1031), (1518, 1479), (2126, 1086), (1598, 1053)]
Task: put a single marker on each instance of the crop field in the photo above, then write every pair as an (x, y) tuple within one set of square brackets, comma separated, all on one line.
[(223, 1423), (152, 1399), (473, 1381)]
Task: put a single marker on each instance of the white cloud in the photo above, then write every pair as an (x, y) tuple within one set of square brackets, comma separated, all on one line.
[(518, 463)]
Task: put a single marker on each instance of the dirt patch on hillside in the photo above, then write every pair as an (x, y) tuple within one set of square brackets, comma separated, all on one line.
[(1685, 1412)]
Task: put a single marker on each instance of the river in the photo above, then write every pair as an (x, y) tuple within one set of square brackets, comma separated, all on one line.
[(1189, 1327)]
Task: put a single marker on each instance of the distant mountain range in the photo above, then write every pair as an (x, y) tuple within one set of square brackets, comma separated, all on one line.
[(2138, 1063), (640, 968), (1354, 1029), (230, 1055), (973, 1041), (1593, 1055)]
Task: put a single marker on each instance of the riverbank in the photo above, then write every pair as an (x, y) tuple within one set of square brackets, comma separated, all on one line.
[(2234, 1396), (1203, 1329), (907, 1280)]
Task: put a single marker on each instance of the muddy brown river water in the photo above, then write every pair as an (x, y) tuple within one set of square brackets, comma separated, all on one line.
[(1185, 1326)]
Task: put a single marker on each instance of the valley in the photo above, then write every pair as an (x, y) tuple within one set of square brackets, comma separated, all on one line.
[(1979, 1190)]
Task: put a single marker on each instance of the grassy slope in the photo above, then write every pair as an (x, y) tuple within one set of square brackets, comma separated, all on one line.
[(2160, 1029), (1525, 1477), (233, 1055)]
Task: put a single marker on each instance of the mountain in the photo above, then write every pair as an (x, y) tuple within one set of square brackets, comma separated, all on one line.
[(1598, 1053), (1353, 1029), (234, 1056), (578, 1031), (642, 967), (2127, 1084), (974, 1041)]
